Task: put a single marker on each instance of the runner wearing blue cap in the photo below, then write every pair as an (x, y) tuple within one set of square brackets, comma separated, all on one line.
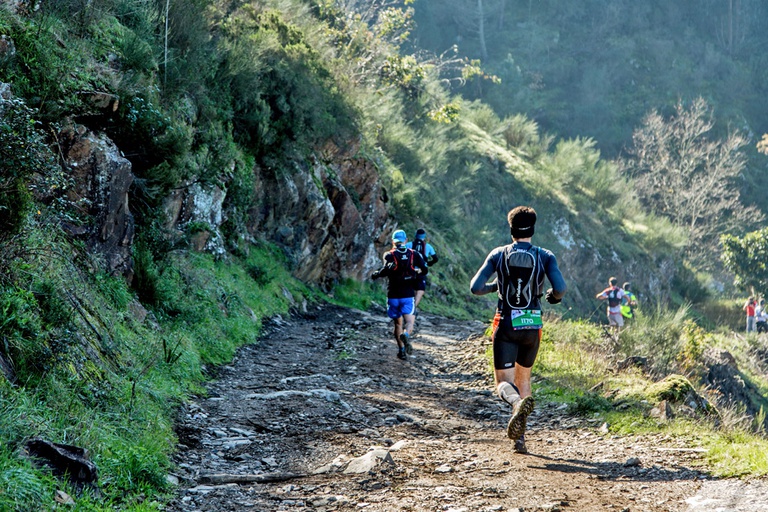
[(403, 267), (427, 252)]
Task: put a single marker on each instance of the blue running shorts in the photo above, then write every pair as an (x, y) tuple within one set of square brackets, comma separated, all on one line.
[(399, 307)]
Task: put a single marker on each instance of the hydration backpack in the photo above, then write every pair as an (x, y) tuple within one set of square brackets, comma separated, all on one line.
[(613, 297), (403, 264), (421, 247), (518, 277)]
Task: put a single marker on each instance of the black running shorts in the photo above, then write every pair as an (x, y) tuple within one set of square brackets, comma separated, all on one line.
[(514, 346), (420, 284)]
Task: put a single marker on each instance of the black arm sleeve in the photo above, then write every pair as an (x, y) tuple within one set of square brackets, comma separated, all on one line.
[(418, 261), (555, 277), (385, 270), (479, 284), (432, 260)]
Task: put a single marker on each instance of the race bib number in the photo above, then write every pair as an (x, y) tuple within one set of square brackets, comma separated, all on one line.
[(526, 319)]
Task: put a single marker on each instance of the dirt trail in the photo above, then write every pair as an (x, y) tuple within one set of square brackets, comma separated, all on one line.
[(323, 396)]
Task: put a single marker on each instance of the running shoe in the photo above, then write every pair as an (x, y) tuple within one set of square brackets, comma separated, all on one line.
[(406, 343), (520, 445), (401, 354), (520, 412)]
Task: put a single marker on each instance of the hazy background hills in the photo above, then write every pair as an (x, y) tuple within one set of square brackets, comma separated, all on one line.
[(594, 68)]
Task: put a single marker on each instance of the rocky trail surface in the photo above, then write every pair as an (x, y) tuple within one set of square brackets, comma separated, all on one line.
[(321, 415)]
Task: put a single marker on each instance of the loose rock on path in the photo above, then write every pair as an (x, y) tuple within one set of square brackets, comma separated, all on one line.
[(321, 415)]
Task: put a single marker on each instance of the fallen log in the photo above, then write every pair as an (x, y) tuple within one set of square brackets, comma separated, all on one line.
[(264, 478)]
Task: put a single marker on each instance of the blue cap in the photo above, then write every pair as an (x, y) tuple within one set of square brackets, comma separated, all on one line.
[(399, 236)]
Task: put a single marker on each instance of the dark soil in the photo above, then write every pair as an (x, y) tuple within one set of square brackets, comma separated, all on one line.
[(324, 387)]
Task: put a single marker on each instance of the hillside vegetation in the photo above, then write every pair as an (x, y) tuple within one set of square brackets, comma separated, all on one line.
[(595, 68), (238, 96)]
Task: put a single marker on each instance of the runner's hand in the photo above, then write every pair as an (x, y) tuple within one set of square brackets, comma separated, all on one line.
[(551, 298), (376, 275)]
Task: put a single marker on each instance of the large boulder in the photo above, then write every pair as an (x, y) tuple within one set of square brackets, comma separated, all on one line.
[(101, 177)]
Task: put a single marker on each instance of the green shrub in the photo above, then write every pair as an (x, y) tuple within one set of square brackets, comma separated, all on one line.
[(147, 279), (114, 289), (23, 488), (55, 310), (404, 72), (589, 403), (354, 294), (156, 140), (21, 330), (282, 94), (22, 153), (694, 341), (576, 163), (657, 335), (132, 468)]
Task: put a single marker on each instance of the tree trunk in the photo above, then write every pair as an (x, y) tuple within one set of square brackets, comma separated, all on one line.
[(481, 30)]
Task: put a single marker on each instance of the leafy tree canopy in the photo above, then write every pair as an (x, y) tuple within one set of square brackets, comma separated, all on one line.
[(747, 258)]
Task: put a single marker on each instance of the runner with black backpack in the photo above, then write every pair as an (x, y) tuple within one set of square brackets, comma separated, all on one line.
[(520, 269), (427, 252), (615, 296), (403, 267)]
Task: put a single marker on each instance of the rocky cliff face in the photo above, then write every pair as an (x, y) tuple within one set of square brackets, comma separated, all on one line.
[(101, 178), (329, 216)]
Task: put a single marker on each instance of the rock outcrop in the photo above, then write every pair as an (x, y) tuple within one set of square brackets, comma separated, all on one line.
[(101, 177), (725, 380), (329, 216), (198, 209)]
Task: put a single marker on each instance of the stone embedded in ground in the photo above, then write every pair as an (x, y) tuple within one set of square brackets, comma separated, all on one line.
[(64, 498), (632, 462), (369, 461), (663, 411)]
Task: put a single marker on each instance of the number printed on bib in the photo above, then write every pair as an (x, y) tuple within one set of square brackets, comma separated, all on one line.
[(526, 319)]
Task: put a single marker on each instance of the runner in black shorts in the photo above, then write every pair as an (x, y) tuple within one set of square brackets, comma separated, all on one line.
[(520, 269)]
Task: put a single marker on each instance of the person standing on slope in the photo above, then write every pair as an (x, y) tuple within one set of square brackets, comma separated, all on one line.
[(749, 309), (629, 303), (403, 267), (520, 268), (614, 295), (761, 317), (427, 252)]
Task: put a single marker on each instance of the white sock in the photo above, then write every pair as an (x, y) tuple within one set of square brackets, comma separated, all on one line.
[(508, 393)]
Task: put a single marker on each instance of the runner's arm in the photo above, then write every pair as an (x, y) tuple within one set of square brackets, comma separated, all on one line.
[(555, 277), (385, 269), (479, 284), (418, 262), (431, 255)]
